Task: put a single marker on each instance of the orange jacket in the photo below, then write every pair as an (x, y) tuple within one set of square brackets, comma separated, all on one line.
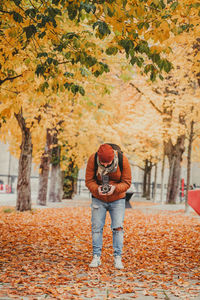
[(122, 181)]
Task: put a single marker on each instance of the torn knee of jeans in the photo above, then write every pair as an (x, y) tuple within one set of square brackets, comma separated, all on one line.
[(95, 206), (118, 229)]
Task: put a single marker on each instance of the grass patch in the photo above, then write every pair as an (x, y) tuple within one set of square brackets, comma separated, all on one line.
[(8, 210)]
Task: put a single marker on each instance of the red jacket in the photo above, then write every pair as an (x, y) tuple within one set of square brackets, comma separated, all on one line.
[(122, 181)]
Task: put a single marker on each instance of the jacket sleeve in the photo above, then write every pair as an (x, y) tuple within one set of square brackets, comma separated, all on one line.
[(125, 182), (90, 182)]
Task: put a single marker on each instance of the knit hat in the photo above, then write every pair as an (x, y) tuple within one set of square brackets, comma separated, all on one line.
[(105, 153)]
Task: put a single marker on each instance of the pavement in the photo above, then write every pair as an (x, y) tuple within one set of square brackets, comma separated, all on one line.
[(85, 200)]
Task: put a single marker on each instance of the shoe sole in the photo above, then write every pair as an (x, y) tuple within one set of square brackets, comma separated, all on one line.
[(119, 268), (95, 266)]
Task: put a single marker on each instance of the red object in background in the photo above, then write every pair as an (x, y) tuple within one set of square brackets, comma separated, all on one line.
[(182, 187), (5, 188), (8, 189), (194, 200)]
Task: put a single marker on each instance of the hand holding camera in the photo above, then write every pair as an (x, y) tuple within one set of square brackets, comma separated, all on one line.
[(106, 188)]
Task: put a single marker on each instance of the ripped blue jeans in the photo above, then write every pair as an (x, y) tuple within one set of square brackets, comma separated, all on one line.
[(116, 210)]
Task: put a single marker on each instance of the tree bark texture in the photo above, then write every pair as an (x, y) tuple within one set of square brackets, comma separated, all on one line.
[(162, 179), (155, 183), (189, 155), (144, 194), (24, 170), (174, 154), (55, 191), (147, 179), (44, 171)]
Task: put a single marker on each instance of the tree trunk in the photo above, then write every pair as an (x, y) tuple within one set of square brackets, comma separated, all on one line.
[(147, 180), (174, 154), (24, 170), (162, 179), (144, 194), (76, 185), (44, 171), (149, 167), (55, 192), (155, 183), (189, 164)]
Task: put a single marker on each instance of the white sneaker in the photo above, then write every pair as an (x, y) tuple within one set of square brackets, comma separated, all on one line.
[(118, 262), (96, 261)]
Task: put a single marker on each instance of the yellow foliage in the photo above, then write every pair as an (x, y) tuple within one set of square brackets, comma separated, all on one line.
[(122, 115)]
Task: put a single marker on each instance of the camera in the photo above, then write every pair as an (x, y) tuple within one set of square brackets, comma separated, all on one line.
[(105, 184)]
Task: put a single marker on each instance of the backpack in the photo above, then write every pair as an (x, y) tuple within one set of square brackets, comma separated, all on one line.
[(120, 158)]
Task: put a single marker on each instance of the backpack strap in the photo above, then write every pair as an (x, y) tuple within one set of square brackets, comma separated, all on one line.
[(120, 155), (95, 166), (120, 163), (115, 147)]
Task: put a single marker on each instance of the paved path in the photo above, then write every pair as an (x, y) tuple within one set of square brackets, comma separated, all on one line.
[(10, 200)]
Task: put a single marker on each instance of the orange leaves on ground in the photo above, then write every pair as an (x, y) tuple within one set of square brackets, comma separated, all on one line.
[(47, 252)]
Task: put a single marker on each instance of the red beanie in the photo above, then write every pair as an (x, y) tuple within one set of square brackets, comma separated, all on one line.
[(105, 153)]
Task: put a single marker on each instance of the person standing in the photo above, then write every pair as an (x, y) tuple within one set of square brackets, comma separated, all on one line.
[(108, 180)]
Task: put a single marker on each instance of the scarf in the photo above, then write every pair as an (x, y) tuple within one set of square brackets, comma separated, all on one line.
[(111, 169)]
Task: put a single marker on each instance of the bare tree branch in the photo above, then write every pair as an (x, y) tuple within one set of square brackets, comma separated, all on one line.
[(9, 78), (150, 101)]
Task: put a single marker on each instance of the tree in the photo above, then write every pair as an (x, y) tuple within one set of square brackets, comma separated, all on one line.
[(48, 48), (23, 183), (21, 53), (44, 170), (192, 135), (176, 93), (147, 179)]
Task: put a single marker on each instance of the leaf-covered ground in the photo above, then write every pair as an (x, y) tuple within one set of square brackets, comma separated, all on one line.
[(45, 254)]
